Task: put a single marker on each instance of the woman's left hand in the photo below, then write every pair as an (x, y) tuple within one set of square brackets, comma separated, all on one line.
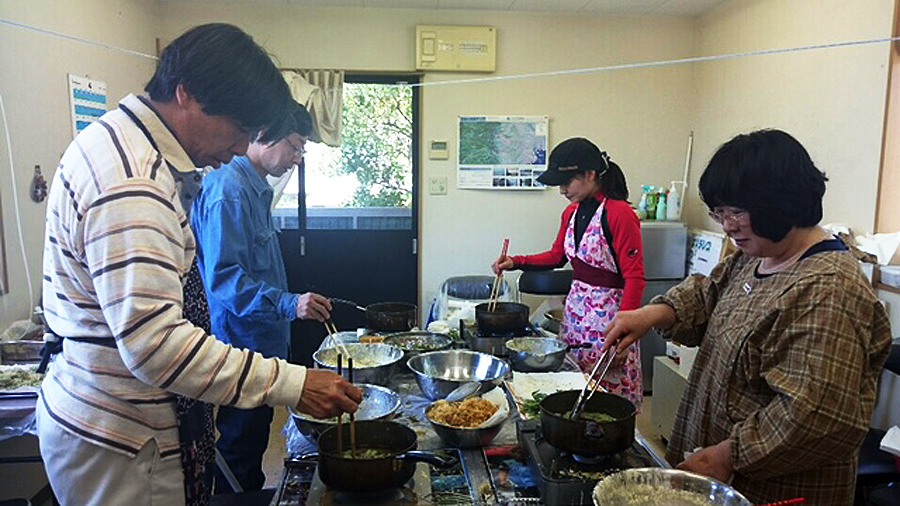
[(713, 461)]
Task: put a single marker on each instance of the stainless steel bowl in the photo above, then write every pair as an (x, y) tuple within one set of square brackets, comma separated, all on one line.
[(465, 437), (415, 342), (439, 372), (535, 354), (372, 362), (377, 403), (664, 487)]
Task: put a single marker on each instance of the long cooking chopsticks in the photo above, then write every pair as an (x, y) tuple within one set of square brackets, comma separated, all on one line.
[(336, 341), (352, 415), (340, 442), (498, 280)]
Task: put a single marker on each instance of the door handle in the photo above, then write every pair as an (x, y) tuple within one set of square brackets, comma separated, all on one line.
[(302, 245), (415, 245)]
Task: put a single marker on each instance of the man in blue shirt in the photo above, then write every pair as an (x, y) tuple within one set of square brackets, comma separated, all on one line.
[(243, 273)]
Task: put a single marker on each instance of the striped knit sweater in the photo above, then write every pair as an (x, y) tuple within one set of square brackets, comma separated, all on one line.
[(116, 249)]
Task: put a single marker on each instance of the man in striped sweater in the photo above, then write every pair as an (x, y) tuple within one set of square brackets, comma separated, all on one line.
[(117, 246)]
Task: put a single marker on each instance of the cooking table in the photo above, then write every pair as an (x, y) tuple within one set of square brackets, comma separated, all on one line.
[(479, 465)]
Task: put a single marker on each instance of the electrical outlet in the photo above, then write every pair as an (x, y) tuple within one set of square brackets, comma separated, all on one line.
[(437, 186)]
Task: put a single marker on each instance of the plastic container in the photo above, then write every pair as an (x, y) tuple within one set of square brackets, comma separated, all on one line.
[(673, 203), (890, 275), (661, 206)]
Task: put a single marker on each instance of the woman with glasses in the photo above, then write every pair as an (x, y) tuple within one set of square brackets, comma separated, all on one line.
[(601, 236), (792, 338)]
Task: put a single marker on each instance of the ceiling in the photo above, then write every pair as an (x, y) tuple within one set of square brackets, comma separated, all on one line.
[(593, 7)]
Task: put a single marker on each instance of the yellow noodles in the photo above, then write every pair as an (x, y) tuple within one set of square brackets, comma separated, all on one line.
[(471, 412)]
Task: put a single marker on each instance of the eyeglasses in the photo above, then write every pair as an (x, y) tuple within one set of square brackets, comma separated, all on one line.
[(300, 150), (736, 217)]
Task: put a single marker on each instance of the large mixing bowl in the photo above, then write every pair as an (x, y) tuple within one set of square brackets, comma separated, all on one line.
[(440, 372), (653, 486), (473, 437), (536, 354), (417, 341), (372, 362), (377, 403)]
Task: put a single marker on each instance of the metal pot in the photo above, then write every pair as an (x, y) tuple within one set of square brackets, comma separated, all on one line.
[(371, 475), (391, 316), (538, 354), (588, 437), (506, 318)]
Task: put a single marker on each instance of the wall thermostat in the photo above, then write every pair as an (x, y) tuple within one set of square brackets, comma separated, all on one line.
[(437, 150)]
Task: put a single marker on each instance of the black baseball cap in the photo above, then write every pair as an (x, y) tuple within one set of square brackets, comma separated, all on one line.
[(570, 157)]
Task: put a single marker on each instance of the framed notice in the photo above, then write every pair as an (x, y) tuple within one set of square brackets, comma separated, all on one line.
[(705, 250), (87, 101), (501, 152)]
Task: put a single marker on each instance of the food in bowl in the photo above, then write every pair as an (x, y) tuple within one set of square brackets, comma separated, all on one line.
[(364, 355), (470, 412), (649, 495)]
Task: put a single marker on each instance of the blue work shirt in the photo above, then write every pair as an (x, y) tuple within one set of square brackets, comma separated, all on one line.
[(240, 260)]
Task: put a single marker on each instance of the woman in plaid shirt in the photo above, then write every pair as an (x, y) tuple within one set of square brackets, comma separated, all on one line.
[(792, 338)]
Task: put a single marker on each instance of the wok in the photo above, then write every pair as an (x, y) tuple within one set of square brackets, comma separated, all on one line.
[(393, 470), (386, 316), (589, 438), (506, 318)]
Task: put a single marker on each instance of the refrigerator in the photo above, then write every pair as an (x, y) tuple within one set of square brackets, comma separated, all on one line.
[(665, 250)]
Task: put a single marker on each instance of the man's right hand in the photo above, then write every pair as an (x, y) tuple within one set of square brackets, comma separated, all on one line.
[(325, 394)]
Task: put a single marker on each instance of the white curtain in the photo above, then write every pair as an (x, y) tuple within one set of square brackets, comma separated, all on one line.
[(322, 92)]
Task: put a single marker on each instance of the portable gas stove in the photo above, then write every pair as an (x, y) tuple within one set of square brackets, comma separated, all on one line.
[(494, 344), (567, 479)]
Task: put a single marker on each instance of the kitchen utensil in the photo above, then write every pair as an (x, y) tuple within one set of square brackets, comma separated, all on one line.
[(417, 341), (374, 362), (588, 437), (603, 363), (506, 318), (538, 354), (378, 402), (391, 316), (440, 372), (498, 280), (657, 486), (393, 470), (347, 302), (352, 416), (340, 445), (333, 333)]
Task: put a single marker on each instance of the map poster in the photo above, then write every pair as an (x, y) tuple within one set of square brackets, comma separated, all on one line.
[(501, 152)]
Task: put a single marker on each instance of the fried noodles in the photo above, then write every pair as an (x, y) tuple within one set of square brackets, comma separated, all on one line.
[(471, 412)]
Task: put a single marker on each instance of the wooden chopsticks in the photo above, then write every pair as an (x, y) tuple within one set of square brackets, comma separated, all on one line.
[(352, 415), (340, 437), (336, 341), (498, 280)]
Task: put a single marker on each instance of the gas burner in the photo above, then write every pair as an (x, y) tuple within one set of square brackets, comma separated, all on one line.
[(398, 496), (595, 460)]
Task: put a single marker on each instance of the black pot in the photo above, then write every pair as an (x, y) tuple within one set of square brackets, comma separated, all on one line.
[(372, 475), (390, 316), (587, 437), (506, 318)]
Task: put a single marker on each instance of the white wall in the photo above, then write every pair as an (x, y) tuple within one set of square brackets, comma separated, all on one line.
[(641, 117), (34, 86), (831, 100)]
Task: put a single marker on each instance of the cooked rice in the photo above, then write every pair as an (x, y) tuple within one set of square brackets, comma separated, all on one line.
[(470, 412)]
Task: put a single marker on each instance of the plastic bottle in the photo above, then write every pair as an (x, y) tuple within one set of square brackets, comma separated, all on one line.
[(652, 197), (661, 206), (642, 206), (673, 203)]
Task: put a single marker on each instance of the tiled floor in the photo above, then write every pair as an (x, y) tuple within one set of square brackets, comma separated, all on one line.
[(274, 457)]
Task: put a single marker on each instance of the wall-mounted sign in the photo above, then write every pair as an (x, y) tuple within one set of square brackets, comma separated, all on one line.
[(705, 250), (501, 152), (87, 100)]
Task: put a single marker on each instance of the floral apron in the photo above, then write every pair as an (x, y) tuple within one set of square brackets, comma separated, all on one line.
[(589, 309)]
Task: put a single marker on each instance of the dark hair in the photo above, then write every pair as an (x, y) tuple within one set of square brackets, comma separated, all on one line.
[(302, 124), (613, 181), (769, 174), (228, 74)]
